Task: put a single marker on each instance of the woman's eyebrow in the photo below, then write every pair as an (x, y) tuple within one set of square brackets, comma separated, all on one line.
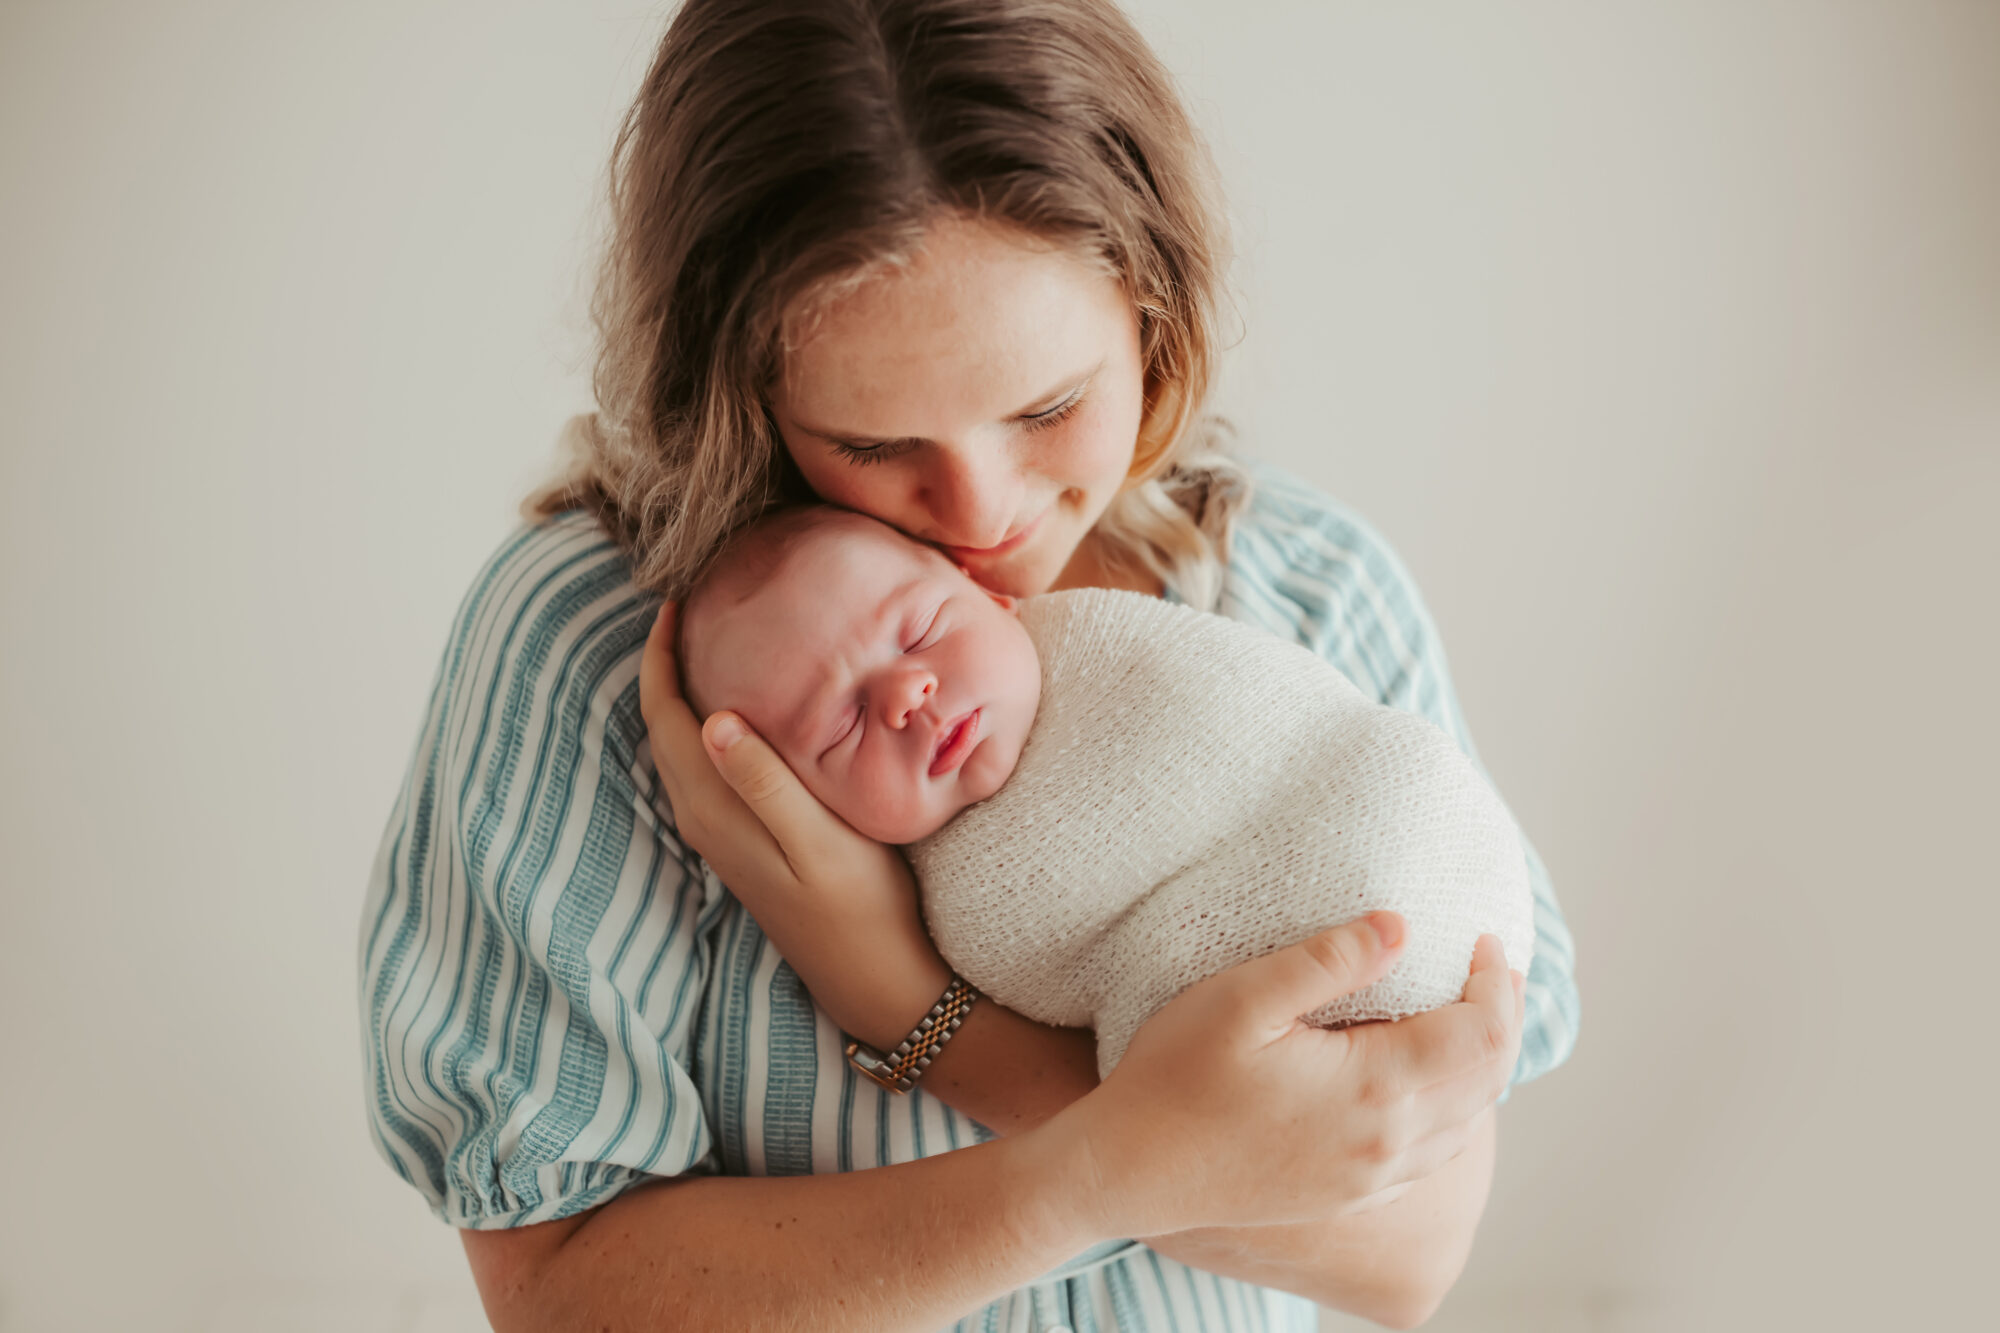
[(1041, 402)]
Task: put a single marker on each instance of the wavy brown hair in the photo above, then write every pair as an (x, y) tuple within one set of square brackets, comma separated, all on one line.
[(782, 150)]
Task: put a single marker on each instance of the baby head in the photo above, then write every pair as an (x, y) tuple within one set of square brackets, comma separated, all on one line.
[(897, 689)]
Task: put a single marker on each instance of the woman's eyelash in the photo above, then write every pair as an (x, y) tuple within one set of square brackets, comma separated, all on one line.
[(876, 453), (868, 453), (1055, 415)]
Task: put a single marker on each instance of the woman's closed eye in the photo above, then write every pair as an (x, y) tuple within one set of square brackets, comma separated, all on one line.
[(1058, 414), (882, 450), (870, 453)]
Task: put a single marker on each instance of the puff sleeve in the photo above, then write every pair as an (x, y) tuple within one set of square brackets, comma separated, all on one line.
[(533, 940)]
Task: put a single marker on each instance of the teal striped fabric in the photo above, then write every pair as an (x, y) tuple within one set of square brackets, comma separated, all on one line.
[(559, 1000)]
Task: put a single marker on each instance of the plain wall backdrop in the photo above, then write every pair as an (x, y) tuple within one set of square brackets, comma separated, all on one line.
[(1663, 341)]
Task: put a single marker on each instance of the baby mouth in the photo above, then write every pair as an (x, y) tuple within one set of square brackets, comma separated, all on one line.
[(954, 743)]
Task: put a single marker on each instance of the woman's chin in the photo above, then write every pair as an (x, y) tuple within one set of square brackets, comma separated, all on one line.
[(1012, 579), (1028, 572)]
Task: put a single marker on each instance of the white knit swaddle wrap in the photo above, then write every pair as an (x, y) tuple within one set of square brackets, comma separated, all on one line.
[(1197, 792)]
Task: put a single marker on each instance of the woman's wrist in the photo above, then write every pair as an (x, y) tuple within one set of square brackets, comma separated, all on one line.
[(892, 1004), (1065, 1195), (875, 978)]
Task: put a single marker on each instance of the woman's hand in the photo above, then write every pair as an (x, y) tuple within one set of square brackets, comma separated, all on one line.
[(1227, 1111), (826, 895)]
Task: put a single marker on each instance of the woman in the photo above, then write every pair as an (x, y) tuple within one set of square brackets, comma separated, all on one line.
[(950, 263)]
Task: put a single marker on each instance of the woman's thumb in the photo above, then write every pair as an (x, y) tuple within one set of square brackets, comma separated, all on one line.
[(1316, 971), (771, 790)]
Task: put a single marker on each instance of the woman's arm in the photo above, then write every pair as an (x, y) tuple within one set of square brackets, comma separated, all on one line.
[(1392, 1263), (826, 897), (906, 1247), (911, 1246)]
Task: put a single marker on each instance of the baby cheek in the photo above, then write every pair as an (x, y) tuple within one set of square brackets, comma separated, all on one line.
[(985, 772), (876, 796)]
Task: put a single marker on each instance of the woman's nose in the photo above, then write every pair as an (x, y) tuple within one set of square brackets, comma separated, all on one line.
[(972, 495), (905, 693)]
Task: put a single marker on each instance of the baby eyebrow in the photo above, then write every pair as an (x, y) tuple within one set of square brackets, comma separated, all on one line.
[(1053, 397)]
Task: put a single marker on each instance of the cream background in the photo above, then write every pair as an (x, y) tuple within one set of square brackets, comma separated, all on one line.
[(1663, 340)]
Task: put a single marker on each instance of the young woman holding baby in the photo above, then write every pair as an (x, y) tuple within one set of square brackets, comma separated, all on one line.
[(952, 264)]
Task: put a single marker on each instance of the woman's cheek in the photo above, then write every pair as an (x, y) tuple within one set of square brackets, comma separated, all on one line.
[(1102, 440)]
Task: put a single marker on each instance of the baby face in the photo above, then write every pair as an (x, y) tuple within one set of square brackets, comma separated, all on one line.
[(897, 689)]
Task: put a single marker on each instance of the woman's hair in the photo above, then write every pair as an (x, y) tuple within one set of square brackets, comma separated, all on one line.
[(781, 151)]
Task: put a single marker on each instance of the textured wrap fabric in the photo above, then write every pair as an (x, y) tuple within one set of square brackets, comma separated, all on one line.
[(1196, 792)]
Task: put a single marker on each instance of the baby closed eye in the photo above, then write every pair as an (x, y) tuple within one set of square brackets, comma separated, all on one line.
[(850, 725), (926, 633)]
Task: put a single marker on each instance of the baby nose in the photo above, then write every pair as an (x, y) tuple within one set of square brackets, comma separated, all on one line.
[(907, 693)]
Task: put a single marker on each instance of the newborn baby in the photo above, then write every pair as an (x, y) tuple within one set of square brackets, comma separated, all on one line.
[(1105, 797)]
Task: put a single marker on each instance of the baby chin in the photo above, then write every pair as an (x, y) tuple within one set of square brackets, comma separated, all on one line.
[(984, 772)]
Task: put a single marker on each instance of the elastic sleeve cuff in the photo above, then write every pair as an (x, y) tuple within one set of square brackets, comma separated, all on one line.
[(566, 1189)]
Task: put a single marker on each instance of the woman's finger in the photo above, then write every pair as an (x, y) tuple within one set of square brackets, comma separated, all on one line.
[(807, 833), (671, 729), (1488, 982), (1453, 1103), (657, 682), (1480, 1030), (1288, 982), (706, 809), (670, 724)]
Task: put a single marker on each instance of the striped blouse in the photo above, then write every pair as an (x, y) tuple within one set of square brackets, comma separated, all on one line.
[(558, 1000)]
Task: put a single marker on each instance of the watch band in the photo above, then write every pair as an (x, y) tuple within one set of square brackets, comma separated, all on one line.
[(899, 1070)]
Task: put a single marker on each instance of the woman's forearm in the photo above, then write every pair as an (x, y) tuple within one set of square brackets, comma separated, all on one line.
[(911, 1246), (1392, 1264), (1005, 1071)]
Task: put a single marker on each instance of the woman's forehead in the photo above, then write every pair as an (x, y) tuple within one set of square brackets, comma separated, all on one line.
[(977, 326)]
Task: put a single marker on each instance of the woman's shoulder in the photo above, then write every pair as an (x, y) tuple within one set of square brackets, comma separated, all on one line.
[(560, 581), (1295, 542), (540, 569), (543, 652)]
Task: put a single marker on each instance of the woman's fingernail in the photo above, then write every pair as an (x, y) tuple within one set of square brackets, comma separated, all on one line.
[(728, 730), (1389, 927)]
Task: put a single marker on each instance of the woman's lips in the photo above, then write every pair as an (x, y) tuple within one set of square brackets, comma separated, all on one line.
[(1013, 543), (955, 743)]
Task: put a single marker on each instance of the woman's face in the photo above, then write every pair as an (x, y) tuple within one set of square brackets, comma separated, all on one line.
[(985, 398)]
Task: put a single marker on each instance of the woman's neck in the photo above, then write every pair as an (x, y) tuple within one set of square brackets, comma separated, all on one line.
[(1088, 567)]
